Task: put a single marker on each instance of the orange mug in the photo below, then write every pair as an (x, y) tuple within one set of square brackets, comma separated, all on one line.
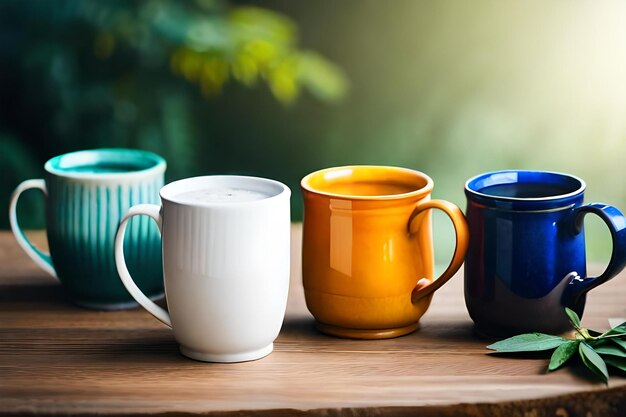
[(367, 249)]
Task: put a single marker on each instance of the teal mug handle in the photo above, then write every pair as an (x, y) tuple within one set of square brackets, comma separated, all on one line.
[(41, 258)]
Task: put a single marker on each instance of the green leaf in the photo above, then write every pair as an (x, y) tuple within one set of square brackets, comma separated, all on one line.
[(259, 23), (611, 336), (593, 361), (616, 362), (573, 317), (611, 350), (529, 342), (619, 342), (562, 354), (321, 77), (621, 329)]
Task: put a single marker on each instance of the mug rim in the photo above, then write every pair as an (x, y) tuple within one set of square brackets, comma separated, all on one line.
[(168, 196), (419, 192), (157, 164), (471, 192)]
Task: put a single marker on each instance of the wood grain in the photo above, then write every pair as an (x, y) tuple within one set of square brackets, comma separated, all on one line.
[(56, 358)]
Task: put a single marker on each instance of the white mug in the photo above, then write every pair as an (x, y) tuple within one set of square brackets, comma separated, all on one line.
[(225, 264)]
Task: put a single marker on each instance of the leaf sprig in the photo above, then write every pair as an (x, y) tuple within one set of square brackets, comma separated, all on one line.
[(595, 349)]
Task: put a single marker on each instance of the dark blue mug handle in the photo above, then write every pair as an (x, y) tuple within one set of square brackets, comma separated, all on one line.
[(616, 223)]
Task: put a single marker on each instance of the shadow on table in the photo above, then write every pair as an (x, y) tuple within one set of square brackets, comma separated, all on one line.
[(148, 347), (301, 326), (47, 292)]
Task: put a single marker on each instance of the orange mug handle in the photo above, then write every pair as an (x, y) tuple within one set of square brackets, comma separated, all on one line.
[(425, 287)]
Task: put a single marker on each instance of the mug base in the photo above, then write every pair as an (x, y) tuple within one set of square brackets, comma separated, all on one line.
[(124, 305), (369, 334), (227, 357)]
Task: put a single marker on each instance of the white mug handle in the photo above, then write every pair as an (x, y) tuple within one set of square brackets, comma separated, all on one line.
[(152, 211), (41, 258)]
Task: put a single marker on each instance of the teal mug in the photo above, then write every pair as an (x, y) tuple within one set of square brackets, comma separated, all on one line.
[(87, 194)]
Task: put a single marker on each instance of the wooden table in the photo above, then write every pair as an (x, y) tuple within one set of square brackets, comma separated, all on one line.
[(56, 358)]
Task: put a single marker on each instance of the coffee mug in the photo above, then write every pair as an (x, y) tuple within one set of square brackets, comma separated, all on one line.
[(367, 255), (87, 192), (526, 260), (225, 264)]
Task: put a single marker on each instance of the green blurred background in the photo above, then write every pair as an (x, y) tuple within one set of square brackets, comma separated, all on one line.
[(282, 88)]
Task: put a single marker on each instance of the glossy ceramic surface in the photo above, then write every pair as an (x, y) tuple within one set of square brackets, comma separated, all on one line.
[(367, 256), (526, 259), (226, 267), (87, 193)]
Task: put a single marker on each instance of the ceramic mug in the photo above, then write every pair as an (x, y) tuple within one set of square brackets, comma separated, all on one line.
[(87, 192), (526, 260), (225, 264), (367, 255)]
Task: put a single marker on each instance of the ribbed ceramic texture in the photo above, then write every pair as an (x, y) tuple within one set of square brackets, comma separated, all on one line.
[(227, 277), (82, 219)]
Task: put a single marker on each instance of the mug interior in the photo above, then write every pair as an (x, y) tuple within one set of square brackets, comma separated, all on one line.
[(215, 190), (368, 182), (525, 185), (104, 162)]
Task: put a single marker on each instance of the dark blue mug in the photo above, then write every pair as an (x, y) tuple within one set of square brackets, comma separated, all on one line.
[(526, 258)]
